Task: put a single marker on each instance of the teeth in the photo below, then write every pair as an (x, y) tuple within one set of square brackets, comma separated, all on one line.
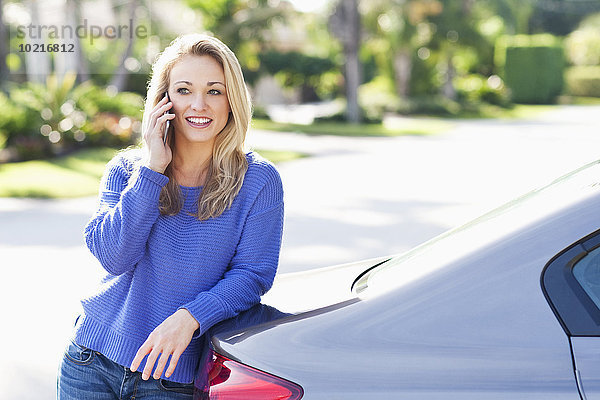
[(199, 120)]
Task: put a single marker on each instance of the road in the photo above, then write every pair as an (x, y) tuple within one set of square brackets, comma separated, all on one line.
[(354, 198)]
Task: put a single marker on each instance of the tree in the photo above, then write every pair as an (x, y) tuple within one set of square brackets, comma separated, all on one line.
[(236, 22), (399, 29), (75, 61), (345, 24), (37, 64), (515, 13), (3, 49), (119, 78), (455, 28)]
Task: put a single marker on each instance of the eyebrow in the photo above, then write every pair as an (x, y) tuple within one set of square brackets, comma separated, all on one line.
[(209, 83)]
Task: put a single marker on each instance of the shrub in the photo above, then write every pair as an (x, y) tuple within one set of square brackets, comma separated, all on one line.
[(582, 46), (93, 99), (13, 119), (376, 98), (41, 120), (475, 88), (583, 80), (429, 105), (294, 69), (113, 119), (532, 67)]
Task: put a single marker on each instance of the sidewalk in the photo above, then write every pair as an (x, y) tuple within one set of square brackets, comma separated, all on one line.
[(355, 198)]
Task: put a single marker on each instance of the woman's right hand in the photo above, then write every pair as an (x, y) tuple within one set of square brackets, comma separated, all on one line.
[(160, 154)]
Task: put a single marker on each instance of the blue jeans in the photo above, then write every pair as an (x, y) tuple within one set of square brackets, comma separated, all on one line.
[(85, 374)]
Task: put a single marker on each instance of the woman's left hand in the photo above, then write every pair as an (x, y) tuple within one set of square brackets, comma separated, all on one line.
[(170, 338)]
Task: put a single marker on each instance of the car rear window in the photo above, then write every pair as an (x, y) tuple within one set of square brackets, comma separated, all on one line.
[(587, 273)]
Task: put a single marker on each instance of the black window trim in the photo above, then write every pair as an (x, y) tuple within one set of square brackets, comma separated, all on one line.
[(574, 309)]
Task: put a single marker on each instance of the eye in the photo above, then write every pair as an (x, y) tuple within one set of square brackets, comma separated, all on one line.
[(214, 91), (183, 90)]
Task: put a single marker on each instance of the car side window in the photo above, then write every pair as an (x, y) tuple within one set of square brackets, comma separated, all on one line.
[(587, 273)]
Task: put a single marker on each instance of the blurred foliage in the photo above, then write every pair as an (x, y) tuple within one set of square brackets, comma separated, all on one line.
[(441, 57), (582, 46), (378, 97), (560, 17), (41, 120), (243, 25), (474, 89), (295, 69), (583, 80)]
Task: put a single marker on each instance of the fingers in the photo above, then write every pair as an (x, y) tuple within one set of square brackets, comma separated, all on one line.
[(154, 354), (163, 358), (162, 361), (158, 122), (165, 345), (159, 115), (172, 364), (161, 108), (150, 364), (139, 356)]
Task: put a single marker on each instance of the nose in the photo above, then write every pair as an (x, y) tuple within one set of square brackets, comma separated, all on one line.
[(198, 102)]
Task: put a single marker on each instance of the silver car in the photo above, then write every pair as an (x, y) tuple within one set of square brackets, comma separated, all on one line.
[(504, 307)]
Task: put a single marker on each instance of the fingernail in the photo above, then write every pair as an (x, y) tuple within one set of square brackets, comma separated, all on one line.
[(145, 377)]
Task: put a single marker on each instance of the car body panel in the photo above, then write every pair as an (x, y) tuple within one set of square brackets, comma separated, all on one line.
[(460, 317), (587, 363)]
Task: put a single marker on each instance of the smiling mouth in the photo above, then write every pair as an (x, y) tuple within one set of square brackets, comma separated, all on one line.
[(199, 122)]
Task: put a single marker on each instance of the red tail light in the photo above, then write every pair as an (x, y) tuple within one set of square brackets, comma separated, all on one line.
[(229, 380)]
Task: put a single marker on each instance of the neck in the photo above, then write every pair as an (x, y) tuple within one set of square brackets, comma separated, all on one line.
[(190, 164)]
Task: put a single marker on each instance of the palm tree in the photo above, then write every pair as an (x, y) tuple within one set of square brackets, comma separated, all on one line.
[(37, 64), (119, 79), (345, 24)]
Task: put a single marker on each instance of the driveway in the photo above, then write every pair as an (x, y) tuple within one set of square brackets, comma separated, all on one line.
[(355, 198)]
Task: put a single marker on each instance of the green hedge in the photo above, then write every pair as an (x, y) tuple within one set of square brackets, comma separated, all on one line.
[(532, 67), (583, 80)]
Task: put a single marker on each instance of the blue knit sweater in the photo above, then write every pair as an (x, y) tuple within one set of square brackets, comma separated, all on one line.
[(157, 264)]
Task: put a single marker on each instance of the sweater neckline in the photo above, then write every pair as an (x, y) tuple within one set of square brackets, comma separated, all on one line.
[(190, 187)]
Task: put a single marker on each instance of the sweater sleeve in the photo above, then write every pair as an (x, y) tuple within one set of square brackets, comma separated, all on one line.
[(253, 267), (127, 209)]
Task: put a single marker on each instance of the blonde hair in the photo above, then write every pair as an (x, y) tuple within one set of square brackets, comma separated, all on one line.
[(228, 163)]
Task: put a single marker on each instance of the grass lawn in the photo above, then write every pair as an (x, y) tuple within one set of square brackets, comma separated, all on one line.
[(518, 111), (524, 111), (404, 126), (75, 175)]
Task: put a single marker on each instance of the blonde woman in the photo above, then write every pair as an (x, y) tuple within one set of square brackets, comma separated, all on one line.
[(188, 230)]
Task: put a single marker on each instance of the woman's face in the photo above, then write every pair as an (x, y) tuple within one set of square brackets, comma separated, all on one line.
[(200, 104)]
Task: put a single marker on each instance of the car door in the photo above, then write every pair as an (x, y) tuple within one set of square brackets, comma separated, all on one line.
[(571, 283)]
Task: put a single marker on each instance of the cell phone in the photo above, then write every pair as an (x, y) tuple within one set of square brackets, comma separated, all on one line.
[(168, 123)]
